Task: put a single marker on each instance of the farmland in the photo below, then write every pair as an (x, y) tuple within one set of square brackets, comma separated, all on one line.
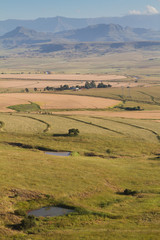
[(116, 150), (48, 101)]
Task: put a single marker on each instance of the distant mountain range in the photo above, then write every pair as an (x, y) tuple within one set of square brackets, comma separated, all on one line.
[(95, 33), (57, 24), (109, 33)]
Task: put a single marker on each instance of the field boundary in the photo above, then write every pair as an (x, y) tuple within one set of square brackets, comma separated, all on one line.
[(39, 120), (92, 124), (132, 125)]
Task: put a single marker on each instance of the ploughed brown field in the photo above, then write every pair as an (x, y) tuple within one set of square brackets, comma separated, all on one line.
[(54, 101)]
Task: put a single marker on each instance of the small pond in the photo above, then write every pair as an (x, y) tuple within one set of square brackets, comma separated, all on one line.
[(50, 212), (59, 154)]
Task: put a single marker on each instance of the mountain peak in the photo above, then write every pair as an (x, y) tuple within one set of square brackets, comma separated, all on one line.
[(20, 32)]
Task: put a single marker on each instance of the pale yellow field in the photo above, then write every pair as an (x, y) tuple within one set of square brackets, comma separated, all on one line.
[(79, 77), (122, 114), (40, 84), (55, 101)]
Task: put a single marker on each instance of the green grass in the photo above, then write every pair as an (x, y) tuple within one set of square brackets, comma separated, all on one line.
[(32, 107), (90, 184)]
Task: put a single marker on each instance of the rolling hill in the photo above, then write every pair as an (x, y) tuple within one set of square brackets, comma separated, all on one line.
[(21, 35)]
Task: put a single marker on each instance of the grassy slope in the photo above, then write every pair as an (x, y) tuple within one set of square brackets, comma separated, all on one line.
[(73, 181), (30, 178)]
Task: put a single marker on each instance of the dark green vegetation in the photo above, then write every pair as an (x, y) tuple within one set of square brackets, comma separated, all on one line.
[(32, 107), (73, 132), (112, 184)]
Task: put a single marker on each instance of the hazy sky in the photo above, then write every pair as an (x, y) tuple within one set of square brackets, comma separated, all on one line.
[(31, 9)]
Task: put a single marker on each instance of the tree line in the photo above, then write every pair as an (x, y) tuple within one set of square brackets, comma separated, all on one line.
[(87, 85)]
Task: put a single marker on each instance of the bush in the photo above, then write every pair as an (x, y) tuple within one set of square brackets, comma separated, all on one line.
[(20, 212), (28, 222), (73, 131), (108, 151), (74, 154), (129, 192)]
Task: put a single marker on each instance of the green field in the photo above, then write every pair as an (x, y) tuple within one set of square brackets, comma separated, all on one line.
[(112, 154)]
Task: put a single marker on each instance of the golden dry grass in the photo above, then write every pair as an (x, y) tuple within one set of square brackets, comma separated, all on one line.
[(85, 77), (12, 83), (124, 114), (39, 83), (54, 101)]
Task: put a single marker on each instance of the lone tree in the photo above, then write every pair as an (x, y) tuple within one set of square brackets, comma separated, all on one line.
[(73, 132), (26, 90)]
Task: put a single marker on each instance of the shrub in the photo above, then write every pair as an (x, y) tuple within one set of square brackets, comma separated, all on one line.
[(73, 131), (20, 212), (108, 151), (28, 222), (129, 192)]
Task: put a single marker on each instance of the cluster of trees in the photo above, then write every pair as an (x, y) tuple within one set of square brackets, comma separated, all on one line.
[(92, 84), (137, 108), (102, 85), (61, 88), (87, 85)]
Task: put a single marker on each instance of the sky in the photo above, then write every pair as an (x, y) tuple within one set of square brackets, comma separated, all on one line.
[(32, 9)]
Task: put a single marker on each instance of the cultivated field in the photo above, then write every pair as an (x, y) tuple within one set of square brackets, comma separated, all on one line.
[(55, 101), (68, 77), (41, 84), (125, 114), (40, 81), (111, 178)]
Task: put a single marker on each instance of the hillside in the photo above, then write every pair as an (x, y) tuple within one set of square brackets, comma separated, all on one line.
[(22, 35)]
